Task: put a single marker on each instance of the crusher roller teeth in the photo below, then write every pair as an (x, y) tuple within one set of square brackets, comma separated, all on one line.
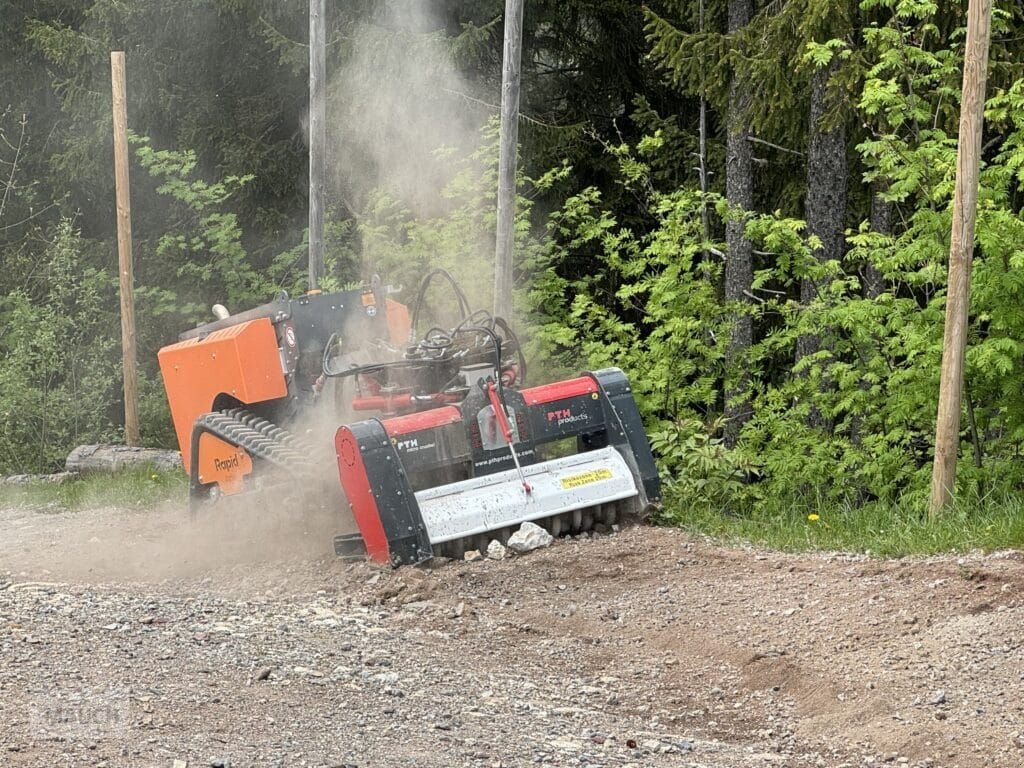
[(563, 525)]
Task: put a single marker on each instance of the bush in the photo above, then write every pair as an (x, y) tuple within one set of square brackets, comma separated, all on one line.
[(60, 378), (854, 421)]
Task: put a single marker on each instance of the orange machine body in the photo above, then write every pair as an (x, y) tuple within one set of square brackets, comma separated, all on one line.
[(223, 463), (242, 361), (399, 322)]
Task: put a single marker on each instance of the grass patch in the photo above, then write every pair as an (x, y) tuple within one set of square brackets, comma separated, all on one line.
[(136, 487), (886, 530)]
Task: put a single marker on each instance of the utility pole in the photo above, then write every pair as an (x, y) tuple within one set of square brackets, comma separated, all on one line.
[(124, 248), (317, 139), (961, 251), (509, 138), (702, 147)]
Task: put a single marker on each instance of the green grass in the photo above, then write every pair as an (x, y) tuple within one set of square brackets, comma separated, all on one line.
[(885, 530), (142, 487)]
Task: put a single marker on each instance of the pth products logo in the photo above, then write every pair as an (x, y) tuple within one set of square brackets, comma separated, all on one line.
[(81, 714), (564, 416), (411, 445), (224, 465)]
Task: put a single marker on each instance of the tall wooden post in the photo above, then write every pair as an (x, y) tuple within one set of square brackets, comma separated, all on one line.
[(124, 248), (505, 241), (702, 145), (961, 251), (317, 139)]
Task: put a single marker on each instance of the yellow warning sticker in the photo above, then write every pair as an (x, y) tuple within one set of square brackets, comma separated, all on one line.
[(586, 478)]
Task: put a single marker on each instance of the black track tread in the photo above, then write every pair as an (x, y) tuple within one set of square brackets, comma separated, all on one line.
[(256, 435), (268, 429)]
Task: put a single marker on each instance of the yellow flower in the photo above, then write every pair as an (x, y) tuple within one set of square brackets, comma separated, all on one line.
[(813, 517), (154, 477)]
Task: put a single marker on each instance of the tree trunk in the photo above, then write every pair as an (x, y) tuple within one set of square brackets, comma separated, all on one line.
[(825, 208), (881, 222), (739, 189)]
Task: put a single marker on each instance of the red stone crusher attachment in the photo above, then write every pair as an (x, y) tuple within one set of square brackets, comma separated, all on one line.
[(564, 455)]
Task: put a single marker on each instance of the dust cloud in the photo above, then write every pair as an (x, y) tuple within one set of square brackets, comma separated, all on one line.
[(398, 110), (409, 155), (152, 545)]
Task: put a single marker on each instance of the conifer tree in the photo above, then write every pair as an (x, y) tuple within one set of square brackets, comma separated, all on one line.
[(825, 209)]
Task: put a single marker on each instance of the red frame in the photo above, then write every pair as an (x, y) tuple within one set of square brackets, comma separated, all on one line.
[(560, 390), (417, 422)]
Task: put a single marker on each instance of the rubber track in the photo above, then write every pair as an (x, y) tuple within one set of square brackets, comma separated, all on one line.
[(259, 437)]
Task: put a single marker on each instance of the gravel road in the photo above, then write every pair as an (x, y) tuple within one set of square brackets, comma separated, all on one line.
[(137, 639)]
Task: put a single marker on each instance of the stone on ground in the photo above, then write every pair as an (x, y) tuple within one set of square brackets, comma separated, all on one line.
[(495, 550), (529, 537)]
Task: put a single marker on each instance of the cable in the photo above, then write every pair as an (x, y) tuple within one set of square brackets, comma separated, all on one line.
[(324, 364)]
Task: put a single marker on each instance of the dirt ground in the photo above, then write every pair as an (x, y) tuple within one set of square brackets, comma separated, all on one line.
[(138, 639)]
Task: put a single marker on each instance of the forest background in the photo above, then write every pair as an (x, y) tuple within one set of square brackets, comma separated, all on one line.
[(745, 205)]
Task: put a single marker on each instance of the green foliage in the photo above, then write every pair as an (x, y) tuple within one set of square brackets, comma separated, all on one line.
[(630, 272), (59, 379), (649, 302), (854, 421), (696, 468), (203, 240)]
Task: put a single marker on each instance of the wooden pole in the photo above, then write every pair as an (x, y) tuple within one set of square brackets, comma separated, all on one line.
[(702, 150), (509, 138), (317, 140), (961, 251), (124, 248)]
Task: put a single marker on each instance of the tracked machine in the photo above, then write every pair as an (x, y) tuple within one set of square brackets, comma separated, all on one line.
[(438, 444)]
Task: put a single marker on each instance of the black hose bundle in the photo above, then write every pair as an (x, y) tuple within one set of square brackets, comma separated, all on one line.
[(436, 342), (422, 292)]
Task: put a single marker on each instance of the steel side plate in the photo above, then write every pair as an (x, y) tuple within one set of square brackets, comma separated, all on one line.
[(483, 504)]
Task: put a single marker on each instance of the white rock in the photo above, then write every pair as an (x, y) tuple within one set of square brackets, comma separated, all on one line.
[(495, 550), (472, 556), (529, 537)]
